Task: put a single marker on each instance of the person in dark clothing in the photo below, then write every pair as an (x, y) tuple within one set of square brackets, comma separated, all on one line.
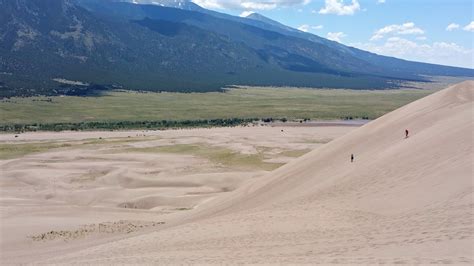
[(352, 158), (406, 133)]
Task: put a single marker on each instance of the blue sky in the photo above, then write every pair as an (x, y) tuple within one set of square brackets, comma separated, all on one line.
[(414, 30)]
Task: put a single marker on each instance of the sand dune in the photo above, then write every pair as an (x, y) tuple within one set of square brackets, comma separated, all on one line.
[(436, 158), (403, 200)]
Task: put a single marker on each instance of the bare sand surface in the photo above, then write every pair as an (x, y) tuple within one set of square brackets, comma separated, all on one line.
[(65, 191)]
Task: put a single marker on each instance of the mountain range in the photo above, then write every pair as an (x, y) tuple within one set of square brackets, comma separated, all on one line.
[(52, 47)]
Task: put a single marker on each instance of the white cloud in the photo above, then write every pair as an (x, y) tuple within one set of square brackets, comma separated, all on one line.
[(304, 27), (403, 29), (421, 38), (444, 53), (307, 28), (380, 1), (469, 27), (246, 13), (211, 4), (452, 27), (336, 36), (249, 4), (339, 8)]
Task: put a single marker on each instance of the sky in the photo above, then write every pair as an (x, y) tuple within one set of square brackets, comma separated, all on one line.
[(433, 31)]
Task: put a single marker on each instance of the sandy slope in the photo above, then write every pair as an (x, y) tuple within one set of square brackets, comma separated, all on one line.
[(401, 201)]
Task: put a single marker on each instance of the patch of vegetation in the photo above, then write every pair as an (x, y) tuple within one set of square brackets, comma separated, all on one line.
[(12, 151), (183, 209), (122, 226), (294, 153), (317, 141), (92, 176), (17, 150), (220, 156)]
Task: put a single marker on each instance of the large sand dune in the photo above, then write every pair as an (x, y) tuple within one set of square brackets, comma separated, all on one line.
[(403, 200)]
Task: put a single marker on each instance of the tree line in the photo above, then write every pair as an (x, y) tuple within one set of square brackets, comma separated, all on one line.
[(145, 125), (122, 125)]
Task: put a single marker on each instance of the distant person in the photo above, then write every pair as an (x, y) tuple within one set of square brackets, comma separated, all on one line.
[(352, 158), (406, 133)]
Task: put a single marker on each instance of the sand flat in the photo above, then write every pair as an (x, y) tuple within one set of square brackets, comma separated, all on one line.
[(64, 191)]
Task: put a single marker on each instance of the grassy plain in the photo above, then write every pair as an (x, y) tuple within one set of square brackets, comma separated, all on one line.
[(255, 102)]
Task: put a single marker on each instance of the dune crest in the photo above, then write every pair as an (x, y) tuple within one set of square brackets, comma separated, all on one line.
[(402, 200)]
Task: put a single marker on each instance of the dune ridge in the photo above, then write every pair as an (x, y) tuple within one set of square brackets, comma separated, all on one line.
[(440, 143)]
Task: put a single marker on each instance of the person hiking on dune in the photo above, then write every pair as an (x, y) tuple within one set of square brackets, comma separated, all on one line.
[(352, 158), (406, 133)]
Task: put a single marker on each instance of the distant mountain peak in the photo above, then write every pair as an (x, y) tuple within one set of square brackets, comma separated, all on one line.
[(255, 15), (262, 18)]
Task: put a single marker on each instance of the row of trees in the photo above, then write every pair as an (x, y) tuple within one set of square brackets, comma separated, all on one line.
[(121, 125), (148, 125)]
